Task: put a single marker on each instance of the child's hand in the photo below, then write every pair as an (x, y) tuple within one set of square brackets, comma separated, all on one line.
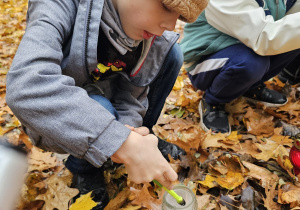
[(140, 130), (143, 160)]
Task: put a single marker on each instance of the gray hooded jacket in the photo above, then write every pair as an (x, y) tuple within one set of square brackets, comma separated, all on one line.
[(45, 84)]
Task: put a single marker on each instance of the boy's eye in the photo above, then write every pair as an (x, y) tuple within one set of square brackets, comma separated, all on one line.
[(166, 8)]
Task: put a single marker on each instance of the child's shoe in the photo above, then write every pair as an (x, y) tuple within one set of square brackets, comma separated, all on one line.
[(290, 76), (169, 148), (214, 117), (268, 97)]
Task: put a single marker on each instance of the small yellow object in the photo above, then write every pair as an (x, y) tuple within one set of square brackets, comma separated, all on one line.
[(102, 68)]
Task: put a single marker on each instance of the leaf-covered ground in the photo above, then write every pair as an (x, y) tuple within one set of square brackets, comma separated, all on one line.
[(248, 169)]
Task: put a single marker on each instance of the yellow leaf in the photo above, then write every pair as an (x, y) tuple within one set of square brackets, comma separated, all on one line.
[(231, 180), (234, 136), (209, 181), (83, 202), (179, 83)]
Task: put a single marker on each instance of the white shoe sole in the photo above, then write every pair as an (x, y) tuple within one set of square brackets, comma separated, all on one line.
[(269, 105)]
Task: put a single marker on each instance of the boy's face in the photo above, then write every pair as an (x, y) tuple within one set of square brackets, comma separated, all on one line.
[(142, 19)]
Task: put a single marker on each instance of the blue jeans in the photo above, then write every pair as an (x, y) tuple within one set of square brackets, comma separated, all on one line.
[(159, 91), (229, 73)]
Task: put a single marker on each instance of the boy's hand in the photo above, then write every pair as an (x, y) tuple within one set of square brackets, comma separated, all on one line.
[(143, 160), (140, 130)]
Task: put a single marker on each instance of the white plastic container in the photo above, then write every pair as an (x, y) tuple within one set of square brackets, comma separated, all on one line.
[(13, 166)]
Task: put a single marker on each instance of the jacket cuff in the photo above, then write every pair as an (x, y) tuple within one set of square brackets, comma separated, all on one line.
[(107, 143)]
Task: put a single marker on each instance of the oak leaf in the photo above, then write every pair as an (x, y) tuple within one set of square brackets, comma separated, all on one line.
[(144, 199), (58, 193), (40, 160), (260, 173)]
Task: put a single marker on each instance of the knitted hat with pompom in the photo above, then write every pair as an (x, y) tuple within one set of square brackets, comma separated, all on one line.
[(189, 10)]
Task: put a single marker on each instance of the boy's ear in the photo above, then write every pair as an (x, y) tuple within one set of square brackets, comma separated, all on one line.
[(189, 10)]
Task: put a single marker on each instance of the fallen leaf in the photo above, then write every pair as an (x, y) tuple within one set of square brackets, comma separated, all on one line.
[(260, 173), (144, 199), (83, 202), (203, 201), (58, 193), (40, 160), (271, 192), (209, 181), (231, 180)]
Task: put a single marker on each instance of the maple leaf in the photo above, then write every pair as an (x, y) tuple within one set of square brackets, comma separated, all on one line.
[(83, 202), (58, 193)]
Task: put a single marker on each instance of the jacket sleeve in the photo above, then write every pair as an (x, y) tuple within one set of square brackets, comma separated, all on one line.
[(131, 103), (246, 21), (58, 115)]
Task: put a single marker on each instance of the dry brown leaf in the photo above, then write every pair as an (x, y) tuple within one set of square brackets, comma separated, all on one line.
[(271, 192), (58, 193), (119, 200), (293, 109), (260, 173), (144, 199), (190, 161), (259, 151), (280, 139), (258, 123), (216, 141), (286, 164), (203, 201), (40, 160), (289, 193)]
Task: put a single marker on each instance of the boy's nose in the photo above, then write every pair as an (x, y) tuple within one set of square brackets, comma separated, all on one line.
[(170, 22)]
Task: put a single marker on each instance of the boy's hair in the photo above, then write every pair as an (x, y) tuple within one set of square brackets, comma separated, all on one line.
[(189, 10)]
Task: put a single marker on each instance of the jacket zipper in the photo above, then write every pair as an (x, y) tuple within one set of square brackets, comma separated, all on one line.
[(277, 9), (86, 38), (156, 74)]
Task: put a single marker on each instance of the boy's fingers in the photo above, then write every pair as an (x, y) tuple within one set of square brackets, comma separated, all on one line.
[(142, 131), (166, 183), (171, 175), (168, 178)]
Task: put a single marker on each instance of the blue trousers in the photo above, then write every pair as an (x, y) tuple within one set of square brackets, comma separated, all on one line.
[(159, 90), (229, 73)]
